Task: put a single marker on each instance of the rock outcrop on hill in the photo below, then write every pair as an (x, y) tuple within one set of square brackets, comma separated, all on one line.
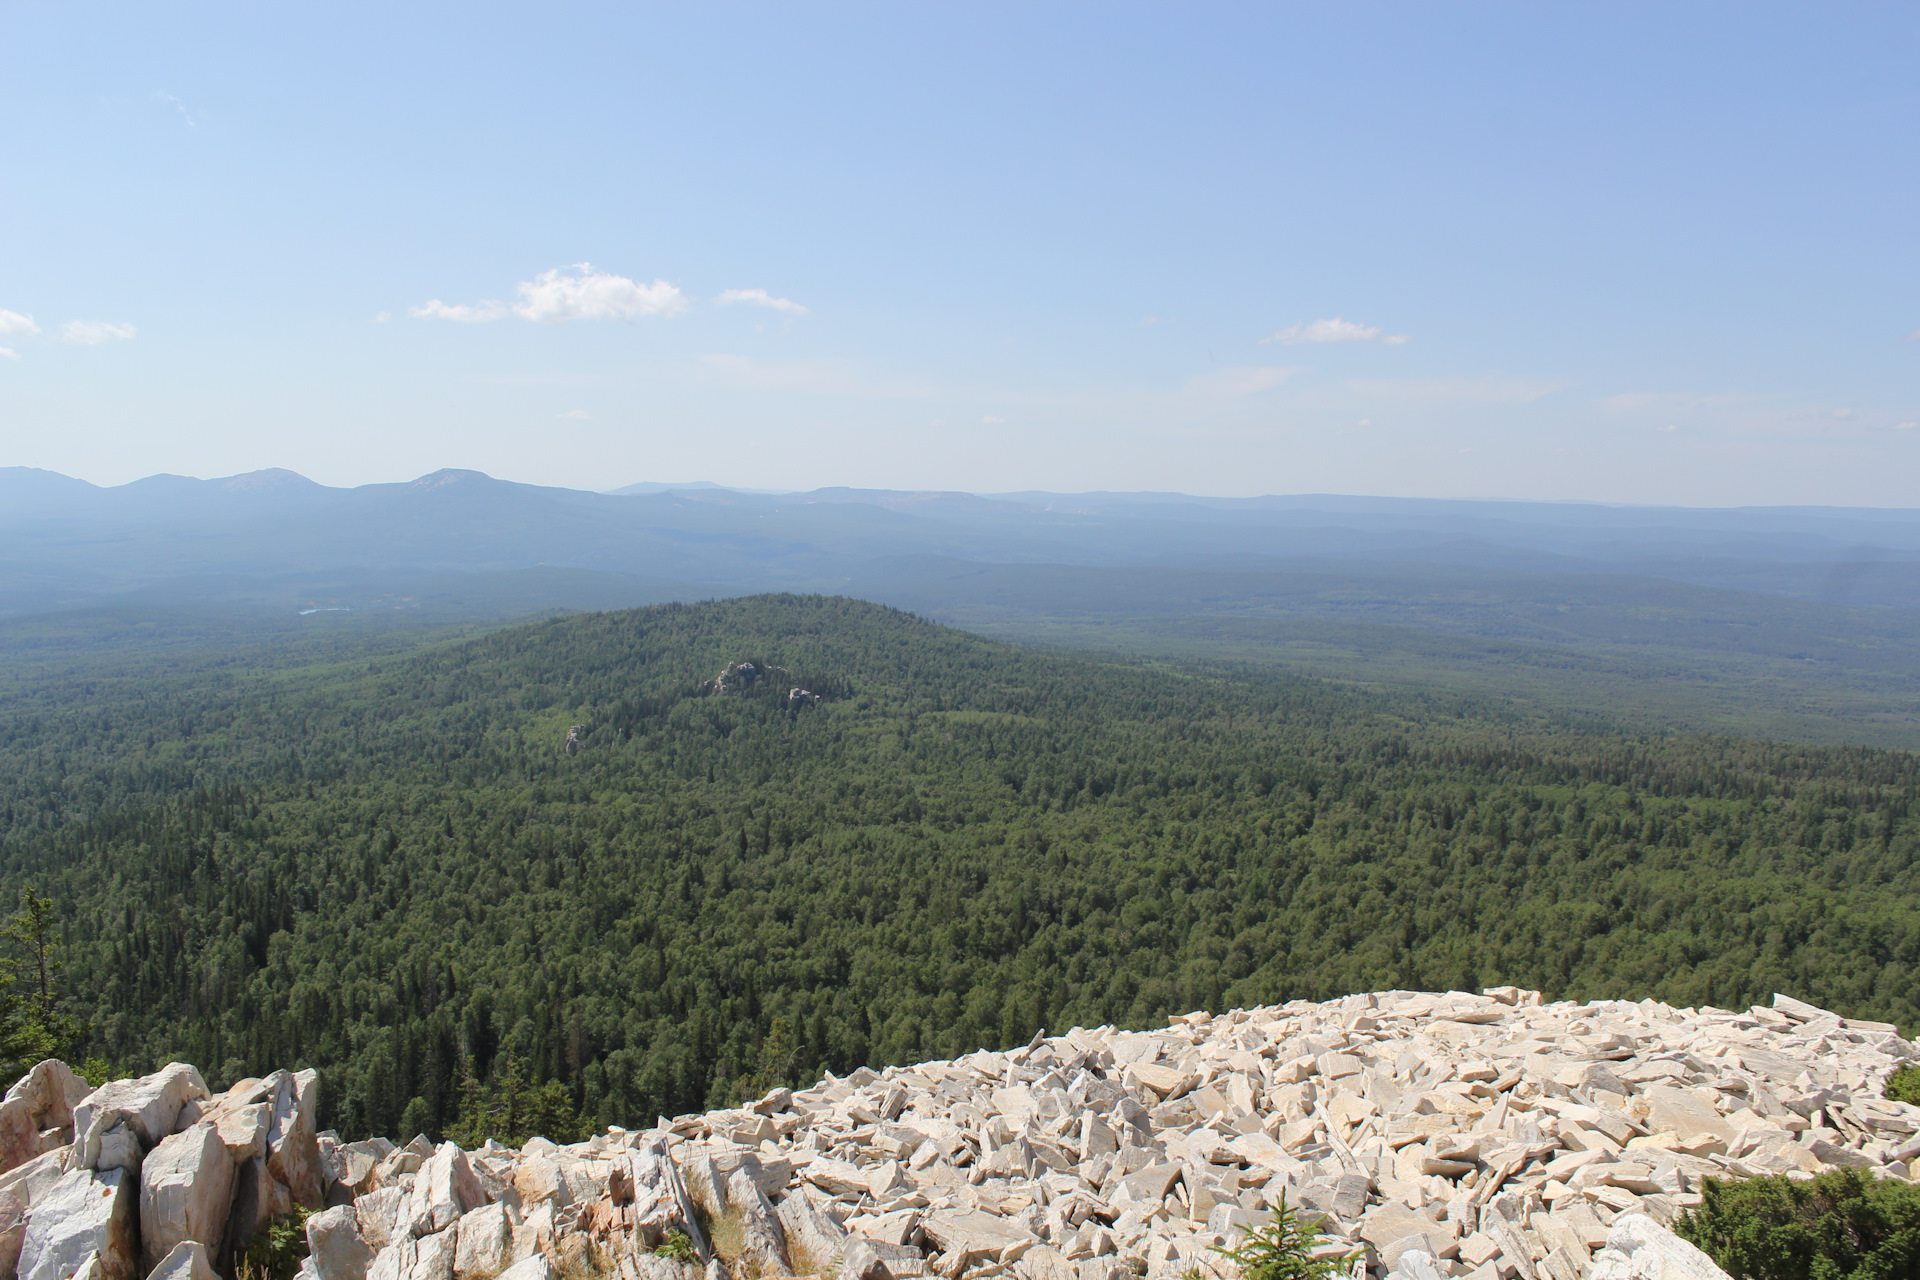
[(1430, 1135)]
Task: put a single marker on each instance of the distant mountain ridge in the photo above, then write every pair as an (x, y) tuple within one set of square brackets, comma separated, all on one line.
[(1491, 595)]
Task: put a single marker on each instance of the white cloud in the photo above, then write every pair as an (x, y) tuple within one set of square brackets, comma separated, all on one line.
[(1906, 426), (990, 419), (577, 415), (1334, 330), (577, 292), (581, 293), (13, 323), (8, 353), (1241, 380), (760, 298), (91, 333), (460, 312)]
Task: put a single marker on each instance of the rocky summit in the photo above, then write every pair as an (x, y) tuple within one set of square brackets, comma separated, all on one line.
[(1426, 1135)]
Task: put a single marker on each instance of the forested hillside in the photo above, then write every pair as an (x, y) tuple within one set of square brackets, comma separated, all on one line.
[(390, 868)]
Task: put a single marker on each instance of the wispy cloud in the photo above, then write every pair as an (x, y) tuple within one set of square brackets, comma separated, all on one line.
[(13, 324), (1334, 330), (577, 292), (8, 353), (460, 312), (1241, 380), (91, 333), (179, 106), (760, 298), (1906, 426), (576, 415)]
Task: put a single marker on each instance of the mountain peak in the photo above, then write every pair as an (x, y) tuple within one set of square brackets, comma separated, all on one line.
[(266, 479), (446, 476)]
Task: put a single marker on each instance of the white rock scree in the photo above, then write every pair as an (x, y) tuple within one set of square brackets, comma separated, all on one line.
[(1489, 1136)]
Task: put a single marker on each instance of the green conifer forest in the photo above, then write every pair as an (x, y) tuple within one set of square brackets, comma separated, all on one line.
[(390, 867)]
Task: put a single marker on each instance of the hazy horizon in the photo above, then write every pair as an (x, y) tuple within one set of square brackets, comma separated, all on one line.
[(702, 483)]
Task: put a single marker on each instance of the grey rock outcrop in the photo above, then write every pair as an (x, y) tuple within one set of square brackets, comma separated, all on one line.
[(443, 1190), (1490, 1137), (186, 1191), (1638, 1248), (85, 1224), (185, 1261), (335, 1246), (147, 1109)]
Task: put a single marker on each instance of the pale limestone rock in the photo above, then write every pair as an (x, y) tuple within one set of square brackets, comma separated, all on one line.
[(532, 1268), (185, 1261), (396, 1261), (813, 1239), (484, 1244), (1638, 1248), (537, 1180), (378, 1214), (763, 1241), (51, 1091), (87, 1220), (243, 1130), (1416, 1264), (1683, 1112), (293, 1149), (186, 1189), (39, 1103), (148, 1109), (433, 1257), (335, 1245), (534, 1234), (444, 1189)]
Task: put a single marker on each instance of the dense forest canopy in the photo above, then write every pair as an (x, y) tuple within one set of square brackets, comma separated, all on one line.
[(391, 869)]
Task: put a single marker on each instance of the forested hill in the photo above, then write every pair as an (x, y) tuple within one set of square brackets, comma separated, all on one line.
[(392, 870)]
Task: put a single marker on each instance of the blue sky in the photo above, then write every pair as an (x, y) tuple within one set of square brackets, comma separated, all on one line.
[(1639, 253)]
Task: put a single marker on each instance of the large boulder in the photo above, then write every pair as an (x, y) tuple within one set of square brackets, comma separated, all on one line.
[(148, 1108), (19, 1135), (378, 1213), (185, 1261), (51, 1091), (87, 1215), (443, 1190), (13, 1229), (395, 1262), (243, 1130), (186, 1189), (485, 1244), (433, 1259), (293, 1147), (536, 1179), (335, 1246), (38, 1112), (1638, 1248), (20, 1189)]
